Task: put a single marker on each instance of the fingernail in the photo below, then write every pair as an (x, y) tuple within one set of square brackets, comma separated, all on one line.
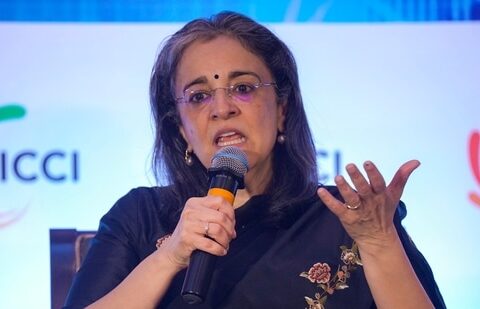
[(350, 167), (367, 163)]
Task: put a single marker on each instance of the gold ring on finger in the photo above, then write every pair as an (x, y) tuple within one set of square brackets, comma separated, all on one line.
[(353, 207), (207, 226)]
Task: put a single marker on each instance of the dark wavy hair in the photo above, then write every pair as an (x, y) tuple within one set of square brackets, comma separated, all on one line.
[(294, 165)]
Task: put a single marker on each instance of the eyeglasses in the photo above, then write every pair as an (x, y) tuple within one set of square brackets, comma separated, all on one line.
[(240, 92)]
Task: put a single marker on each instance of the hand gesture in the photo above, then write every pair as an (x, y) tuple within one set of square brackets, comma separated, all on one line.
[(369, 207)]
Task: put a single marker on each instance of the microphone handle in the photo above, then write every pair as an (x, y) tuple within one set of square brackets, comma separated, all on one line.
[(202, 264), (199, 274)]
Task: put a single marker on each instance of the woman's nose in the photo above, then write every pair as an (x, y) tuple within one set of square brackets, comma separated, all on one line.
[(223, 105)]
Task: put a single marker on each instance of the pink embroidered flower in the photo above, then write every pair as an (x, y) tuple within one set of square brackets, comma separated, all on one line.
[(348, 257), (320, 273)]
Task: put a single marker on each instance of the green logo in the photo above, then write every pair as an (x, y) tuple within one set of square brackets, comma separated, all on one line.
[(11, 112)]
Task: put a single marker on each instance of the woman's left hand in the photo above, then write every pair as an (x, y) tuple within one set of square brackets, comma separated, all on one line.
[(367, 213)]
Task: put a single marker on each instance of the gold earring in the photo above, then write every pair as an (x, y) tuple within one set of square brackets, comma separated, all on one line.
[(188, 157)]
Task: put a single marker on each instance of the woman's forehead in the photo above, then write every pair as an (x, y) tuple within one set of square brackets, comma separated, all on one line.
[(218, 59)]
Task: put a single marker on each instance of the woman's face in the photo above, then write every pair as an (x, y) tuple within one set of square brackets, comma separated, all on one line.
[(249, 121)]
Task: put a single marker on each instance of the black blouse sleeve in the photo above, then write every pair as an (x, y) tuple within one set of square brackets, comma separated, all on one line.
[(112, 255), (418, 261)]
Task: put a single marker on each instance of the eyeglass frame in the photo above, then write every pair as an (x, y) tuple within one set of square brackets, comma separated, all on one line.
[(229, 90)]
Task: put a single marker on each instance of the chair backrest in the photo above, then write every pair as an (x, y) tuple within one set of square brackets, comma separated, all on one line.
[(68, 248)]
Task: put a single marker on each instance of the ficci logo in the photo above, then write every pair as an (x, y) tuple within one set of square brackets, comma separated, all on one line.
[(474, 154), (11, 112), (29, 166)]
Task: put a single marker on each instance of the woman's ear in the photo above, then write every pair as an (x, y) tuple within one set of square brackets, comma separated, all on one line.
[(182, 132), (281, 115)]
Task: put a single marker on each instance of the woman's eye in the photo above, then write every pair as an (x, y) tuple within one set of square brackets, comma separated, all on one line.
[(243, 88), (198, 97)]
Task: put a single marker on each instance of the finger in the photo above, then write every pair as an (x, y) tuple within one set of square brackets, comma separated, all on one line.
[(213, 232), (349, 195), (227, 209), (222, 220), (205, 210), (336, 206), (400, 178), (188, 234), (220, 204), (361, 184), (377, 182), (214, 224), (217, 233), (210, 246)]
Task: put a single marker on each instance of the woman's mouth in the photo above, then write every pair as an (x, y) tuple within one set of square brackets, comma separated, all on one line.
[(229, 139)]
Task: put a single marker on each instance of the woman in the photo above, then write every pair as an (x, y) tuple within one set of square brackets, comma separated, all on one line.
[(285, 243)]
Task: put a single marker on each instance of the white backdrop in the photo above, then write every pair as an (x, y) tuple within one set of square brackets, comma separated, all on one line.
[(387, 93)]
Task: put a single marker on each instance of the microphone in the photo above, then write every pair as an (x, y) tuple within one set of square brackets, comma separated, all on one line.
[(226, 173)]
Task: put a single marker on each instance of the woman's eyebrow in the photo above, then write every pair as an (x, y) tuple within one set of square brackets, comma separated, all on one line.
[(235, 74), (203, 79), (198, 80)]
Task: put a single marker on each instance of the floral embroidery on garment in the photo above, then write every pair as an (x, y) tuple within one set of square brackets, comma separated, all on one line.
[(320, 274)]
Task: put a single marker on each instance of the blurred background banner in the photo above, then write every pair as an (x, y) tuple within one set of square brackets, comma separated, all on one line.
[(260, 10), (386, 81)]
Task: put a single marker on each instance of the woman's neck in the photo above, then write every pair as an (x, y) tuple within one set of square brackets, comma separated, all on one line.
[(241, 198), (256, 182)]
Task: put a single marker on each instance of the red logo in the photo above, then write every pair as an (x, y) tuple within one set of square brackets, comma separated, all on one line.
[(474, 153), (11, 216)]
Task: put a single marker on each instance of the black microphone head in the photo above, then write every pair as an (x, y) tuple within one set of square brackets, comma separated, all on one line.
[(231, 158)]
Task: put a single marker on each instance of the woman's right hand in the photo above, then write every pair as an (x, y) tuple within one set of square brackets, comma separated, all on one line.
[(212, 214)]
